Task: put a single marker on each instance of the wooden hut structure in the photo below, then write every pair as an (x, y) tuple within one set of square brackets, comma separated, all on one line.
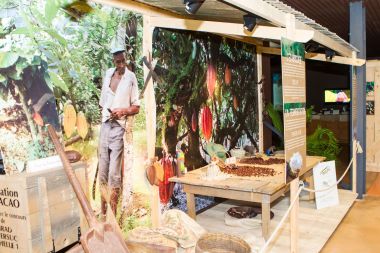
[(274, 20)]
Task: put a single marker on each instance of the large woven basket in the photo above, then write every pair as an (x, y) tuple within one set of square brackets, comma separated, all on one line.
[(221, 243)]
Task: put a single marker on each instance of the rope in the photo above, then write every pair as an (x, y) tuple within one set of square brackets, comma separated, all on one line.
[(302, 187), (281, 221), (333, 185)]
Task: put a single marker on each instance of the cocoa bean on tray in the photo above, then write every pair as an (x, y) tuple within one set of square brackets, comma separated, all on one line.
[(261, 161), (248, 171)]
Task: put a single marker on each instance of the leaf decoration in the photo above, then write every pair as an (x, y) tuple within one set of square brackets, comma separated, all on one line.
[(58, 82), (51, 10), (7, 59)]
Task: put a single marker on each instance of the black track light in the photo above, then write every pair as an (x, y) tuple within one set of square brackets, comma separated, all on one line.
[(329, 54), (192, 6), (249, 22)]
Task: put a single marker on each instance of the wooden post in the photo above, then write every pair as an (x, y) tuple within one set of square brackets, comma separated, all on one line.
[(376, 130), (46, 235), (358, 91), (150, 112), (265, 216), (354, 166), (294, 230), (191, 205), (260, 100)]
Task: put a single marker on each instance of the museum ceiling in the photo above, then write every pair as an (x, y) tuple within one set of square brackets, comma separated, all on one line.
[(334, 15)]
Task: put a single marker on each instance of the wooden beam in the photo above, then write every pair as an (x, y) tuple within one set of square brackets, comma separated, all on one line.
[(201, 26), (135, 6), (336, 59), (150, 112), (260, 31), (278, 17), (249, 40), (317, 57), (276, 33)]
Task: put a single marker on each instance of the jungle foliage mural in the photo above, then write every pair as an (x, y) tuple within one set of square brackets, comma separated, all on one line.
[(208, 92)]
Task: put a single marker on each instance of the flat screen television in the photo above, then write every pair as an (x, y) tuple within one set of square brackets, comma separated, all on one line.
[(337, 96)]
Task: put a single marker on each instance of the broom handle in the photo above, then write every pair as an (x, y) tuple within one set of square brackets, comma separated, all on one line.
[(86, 207)]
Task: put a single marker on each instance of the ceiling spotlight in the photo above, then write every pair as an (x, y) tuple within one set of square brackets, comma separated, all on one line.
[(192, 6), (249, 22), (329, 54)]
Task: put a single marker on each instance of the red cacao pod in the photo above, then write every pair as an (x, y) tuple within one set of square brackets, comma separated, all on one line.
[(211, 79), (194, 122), (206, 122), (171, 122), (227, 75), (236, 103), (166, 187)]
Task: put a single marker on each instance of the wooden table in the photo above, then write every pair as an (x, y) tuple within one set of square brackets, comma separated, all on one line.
[(257, 190)]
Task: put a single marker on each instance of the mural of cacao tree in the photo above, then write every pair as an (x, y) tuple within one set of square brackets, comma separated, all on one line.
[(199, 70), (49, 53)]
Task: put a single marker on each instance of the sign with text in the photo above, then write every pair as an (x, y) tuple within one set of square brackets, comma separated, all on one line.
[(13, 221), (325, 177), (294, 100)]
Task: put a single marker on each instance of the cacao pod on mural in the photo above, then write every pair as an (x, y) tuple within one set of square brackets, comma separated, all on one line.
[(236, 103), (211, 79), (82, 125), (206, 122), (194, 122), (227, 75), (69, 119)]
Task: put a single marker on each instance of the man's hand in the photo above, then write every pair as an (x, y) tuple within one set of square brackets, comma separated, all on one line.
[(118, 113)]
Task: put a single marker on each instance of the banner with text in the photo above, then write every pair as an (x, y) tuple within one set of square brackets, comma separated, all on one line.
[(294, 100)]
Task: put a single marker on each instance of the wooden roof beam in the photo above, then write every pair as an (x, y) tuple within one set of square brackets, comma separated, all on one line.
[(317, 57), (137, 7), (263, 32)]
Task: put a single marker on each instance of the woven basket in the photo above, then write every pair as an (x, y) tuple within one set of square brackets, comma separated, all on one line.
[(221, 243)]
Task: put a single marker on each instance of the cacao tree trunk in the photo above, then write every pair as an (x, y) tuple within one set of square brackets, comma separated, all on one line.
[(193, 158), (32, 126)]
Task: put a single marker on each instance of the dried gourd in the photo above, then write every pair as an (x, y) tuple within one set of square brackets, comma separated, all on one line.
[(82, 125), (69, 119), (159, 171)]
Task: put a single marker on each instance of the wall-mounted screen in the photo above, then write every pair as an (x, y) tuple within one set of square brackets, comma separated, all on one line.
[(337, 96)]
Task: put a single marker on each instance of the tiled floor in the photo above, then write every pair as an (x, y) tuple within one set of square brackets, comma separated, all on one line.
[(360, 229)]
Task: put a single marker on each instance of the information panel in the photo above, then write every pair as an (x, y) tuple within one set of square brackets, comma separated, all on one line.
[(294, 100)]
